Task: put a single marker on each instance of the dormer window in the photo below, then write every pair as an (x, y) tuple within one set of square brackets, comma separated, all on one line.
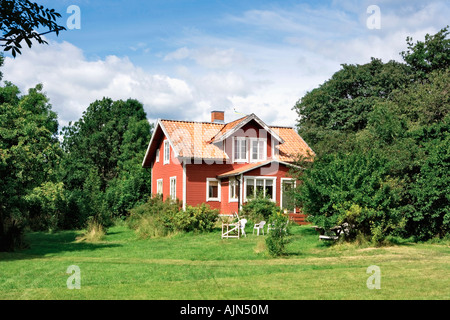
[(258, 149), (240, 149)]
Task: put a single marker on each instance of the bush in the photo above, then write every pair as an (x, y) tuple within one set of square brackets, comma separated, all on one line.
[(355, 189), (158, 218), (199, 218), (277, 238), (155, 218), (259, 208)]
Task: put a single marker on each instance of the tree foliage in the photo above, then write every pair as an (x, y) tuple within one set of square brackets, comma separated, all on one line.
[(20, 21), (103, 157), (29, 156), (382, 145)]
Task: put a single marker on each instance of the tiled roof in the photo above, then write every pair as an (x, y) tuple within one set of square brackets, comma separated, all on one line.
[(293, 145), (191, 139), (244, 169)]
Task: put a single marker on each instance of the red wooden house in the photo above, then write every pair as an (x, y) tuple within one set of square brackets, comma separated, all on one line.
[(222, 164)]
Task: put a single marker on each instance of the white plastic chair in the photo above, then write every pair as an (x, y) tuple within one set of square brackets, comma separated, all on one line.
[(242, 223), (259, 226)]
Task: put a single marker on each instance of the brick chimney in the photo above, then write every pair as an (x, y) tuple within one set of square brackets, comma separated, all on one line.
[(218, 116)]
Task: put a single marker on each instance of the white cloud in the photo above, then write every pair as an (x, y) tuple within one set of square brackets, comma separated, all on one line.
[(72, 82), (275, 58)]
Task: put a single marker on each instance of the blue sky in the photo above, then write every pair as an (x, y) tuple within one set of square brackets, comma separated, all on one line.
[(182, 59)]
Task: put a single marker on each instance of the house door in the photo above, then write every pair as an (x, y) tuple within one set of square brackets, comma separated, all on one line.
[(287, 196)]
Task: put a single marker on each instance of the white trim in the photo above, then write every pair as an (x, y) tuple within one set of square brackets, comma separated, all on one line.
[(162, 186), (281, 188), (166, 144), (208, 180), (184, 186), (241, 190), (247, 120), (157, 155), (159, 125), (274, 179), (229, 190), (173, 195)]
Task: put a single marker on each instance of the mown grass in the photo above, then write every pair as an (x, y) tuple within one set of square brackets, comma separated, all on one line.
[(203, 266)]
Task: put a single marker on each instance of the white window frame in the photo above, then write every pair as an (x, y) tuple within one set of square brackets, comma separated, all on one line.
[(264, 153), (232, 181), (157, 155), (173, 188), (264, 178), (239, 140), (158, 190), (208, 198), (166, 152)]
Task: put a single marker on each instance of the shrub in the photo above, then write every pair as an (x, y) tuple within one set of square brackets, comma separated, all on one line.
[(259, 208), (155, 218), (199, 218), (158, 218), (277, 238), (355, 189)]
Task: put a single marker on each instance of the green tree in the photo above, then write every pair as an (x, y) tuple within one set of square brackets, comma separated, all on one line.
[(20, 20), (29, 156), (427, 56), (351, 188), (108, 142), (331, 115)]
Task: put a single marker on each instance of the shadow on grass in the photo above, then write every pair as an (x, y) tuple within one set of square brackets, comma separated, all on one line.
[(40, 244)]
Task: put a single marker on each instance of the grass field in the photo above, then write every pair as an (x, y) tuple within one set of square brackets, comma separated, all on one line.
[(203, 266)]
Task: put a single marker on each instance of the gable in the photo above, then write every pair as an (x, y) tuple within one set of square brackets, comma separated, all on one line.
[(233, 127)]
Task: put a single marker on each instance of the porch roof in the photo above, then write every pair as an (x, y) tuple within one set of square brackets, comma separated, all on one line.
[(252, 166)]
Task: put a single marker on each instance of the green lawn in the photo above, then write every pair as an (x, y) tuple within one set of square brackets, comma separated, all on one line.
[(203, 266)]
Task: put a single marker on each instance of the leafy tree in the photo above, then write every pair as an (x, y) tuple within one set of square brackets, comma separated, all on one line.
[(351, 188), (20, 20), (107, 145), (29, 156), (389, 175), (339, 108), (429, 55), (430, 188)]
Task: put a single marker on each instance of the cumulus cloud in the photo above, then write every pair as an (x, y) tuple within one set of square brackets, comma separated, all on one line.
[(277, 56), (72, 82)]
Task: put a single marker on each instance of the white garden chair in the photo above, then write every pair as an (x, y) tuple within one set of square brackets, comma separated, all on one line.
[(259, 226), (242, 224)]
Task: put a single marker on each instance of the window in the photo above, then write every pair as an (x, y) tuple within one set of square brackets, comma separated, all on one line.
[(250, 188), (166, 152), (173, 188), (212, 189), (159, 186), (240, 149), (157, 155), (258, 149), (255, 186), (233, 191)]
